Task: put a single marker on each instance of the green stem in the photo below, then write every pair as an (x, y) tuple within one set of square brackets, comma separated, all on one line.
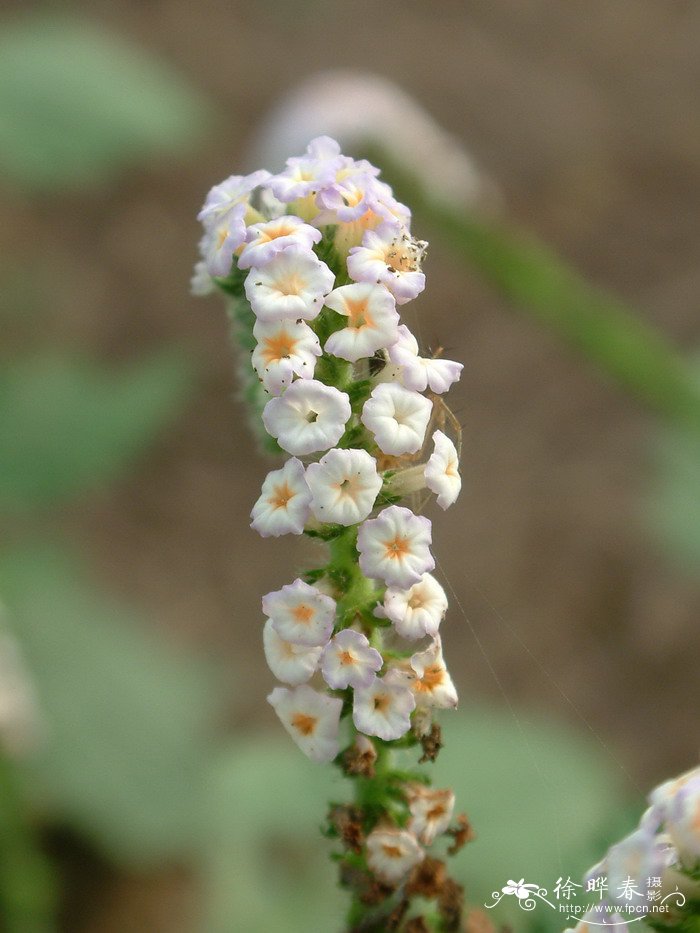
[(26, 884), (357, 591), (543, 287)]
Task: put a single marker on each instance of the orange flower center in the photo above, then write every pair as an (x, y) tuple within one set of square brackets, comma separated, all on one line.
[(281, 496), (283, 230), (278, 348), (291, 285), (303, 613), (397, 547), (358, 315), (432, 677), (391, 851), (436, 812), (304, 723)]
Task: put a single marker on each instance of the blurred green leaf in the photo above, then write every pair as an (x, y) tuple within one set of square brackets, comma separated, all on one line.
[(27, 885), (674, 501), (544, 803), (127, 723), (267, 866), (71, 425), (77, 102), (673, 495)]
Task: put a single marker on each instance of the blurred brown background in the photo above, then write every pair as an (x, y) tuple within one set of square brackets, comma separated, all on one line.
[(585, 114)]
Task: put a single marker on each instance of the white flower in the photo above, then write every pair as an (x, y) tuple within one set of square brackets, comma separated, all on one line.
[(291, 663), (311, 718), (229, 200), (392, 854), (344, 485), (397, 417), (389, 255), (417, 611), (348, 660), (291, 285), (285, 349), (383, 709), (395, 547), (372, 320), (283, 506), (433, 685), (418, 372), (310, 416), (265, 240), (301, 614), (442, 471), (431, 811), (304, 175)]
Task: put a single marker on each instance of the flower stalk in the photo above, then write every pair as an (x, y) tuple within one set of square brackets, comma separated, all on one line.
[(316, 262)]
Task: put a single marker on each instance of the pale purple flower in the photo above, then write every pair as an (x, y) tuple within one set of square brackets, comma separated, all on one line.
[(305, 175), (431, 811), (389, 255), (417, 611), (373, 320), (395, 547), (293, 284), (291, 663), (284, 349), (677, 802), (433, 685), (229, 201), (355, 192), (344, 485), (218, 246), (311, 718), (310, 416), (638, 856), (348, 660), (392, 854), (418, 372), (265, 240), (301, 614), (283, 506), (201, 282), (442, 471), (383, 709), (397, 417)]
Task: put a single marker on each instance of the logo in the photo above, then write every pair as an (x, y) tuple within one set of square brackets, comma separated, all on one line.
[(629, 902)]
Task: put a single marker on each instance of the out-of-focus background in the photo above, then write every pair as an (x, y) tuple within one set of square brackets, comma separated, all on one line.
[(149, 787)]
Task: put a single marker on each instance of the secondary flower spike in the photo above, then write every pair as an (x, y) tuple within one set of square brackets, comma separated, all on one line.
[(317, 263)]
